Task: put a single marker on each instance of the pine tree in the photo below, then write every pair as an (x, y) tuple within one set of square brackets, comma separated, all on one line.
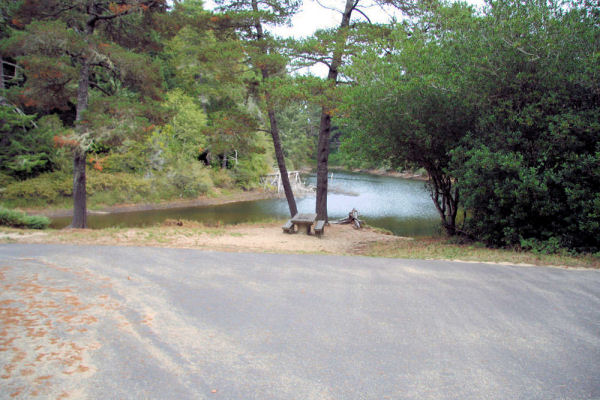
[(83, 41), (249, 16)]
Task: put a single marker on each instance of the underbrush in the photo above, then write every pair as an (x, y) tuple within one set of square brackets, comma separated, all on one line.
[(18, 219), (181, 180)]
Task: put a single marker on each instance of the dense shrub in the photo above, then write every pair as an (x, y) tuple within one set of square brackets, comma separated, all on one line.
[(19, 219), (46, 188), (248, 171), (5, 179), (56, 188), (189, 179), (132, 161), (221, 178)]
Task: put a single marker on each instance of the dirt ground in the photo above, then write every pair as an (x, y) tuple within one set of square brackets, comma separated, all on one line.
[(267, 237)]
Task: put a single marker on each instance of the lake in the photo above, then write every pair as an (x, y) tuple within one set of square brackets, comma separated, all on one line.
[(400, 205)]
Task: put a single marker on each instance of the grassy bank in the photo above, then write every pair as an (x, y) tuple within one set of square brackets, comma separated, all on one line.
[(444, 249)]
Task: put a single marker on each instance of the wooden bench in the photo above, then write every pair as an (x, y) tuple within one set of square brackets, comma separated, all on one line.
[(288, 227), (319, 228)]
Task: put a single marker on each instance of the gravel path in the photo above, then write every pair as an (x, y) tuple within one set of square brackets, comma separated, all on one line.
[(130, 323)]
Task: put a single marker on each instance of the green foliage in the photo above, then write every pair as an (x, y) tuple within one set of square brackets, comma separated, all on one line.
[(18, 219), (502, 107), (248, 171), (187, 123), (188, 180), (5, 180), (299, 127), (221, 178), (56, 189), (26, 147), (47, 188), (529, 173), (132, 159)]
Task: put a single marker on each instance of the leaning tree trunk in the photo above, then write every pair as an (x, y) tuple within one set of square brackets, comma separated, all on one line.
[(325, 127), (285, 180), (79, 154)]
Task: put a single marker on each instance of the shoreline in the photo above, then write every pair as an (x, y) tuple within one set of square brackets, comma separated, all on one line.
[(257, 194), (383, 172)]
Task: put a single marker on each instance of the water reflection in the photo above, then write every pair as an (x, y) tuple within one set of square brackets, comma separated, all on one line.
[(399, 205)]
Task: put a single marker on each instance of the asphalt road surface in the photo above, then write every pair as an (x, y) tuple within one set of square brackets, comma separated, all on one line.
[(131, 323)]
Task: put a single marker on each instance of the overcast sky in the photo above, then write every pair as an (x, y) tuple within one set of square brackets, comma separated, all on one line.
[(314, 16)]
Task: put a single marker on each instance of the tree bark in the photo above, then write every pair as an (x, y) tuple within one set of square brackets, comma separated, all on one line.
[(285, 180), (274, 129), (447, 205), (79, 190), (2, 87), (79, 154), (325, 126)]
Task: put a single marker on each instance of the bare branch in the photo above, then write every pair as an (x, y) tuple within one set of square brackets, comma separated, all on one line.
[(62, 10), (327, 7), (11, 64), (363, 14)]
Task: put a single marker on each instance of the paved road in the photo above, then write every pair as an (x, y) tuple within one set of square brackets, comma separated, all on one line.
[(117, 322)]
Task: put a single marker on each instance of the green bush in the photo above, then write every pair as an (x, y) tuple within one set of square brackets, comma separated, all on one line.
[(248, 171), (130, 161), (48, 188), (189, 179), (56, 189), (18, 219), (221, 178), (5, 179)]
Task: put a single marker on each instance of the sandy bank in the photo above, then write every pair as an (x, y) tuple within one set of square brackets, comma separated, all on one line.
[(266, 237)]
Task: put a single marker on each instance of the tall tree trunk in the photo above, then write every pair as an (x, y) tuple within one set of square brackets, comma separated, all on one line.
[(79, 192), (79, 154), (325, 126), (322, 162), (1, 73), (285, 179)]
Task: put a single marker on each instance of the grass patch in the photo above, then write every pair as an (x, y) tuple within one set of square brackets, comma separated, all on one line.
[(445, 249)]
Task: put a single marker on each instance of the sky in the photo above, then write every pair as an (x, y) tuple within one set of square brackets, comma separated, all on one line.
[(313, 16)]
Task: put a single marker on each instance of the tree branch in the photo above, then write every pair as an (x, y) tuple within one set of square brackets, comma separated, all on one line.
[(315, 59), (327, 7), (363, 14), (95, 85), (62, 10)]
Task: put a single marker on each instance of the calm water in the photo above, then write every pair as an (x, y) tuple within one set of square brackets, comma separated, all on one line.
[(402, 206)]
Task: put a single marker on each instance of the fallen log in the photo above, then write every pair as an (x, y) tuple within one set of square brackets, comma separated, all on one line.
[(352, 218)]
